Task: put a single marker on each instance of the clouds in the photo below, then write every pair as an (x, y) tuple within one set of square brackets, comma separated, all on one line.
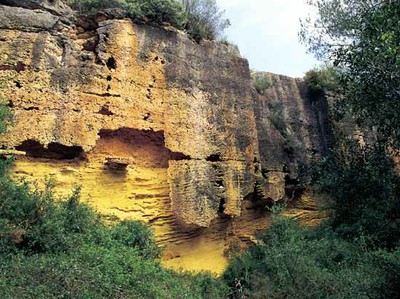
[(266, 33)]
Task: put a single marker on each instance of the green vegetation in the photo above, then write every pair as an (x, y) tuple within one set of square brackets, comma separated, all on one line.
[(201, 19), (261, 84), (373, 76), (156, 12), (5, 115), (320, 80), (293, 262), (366, 189), (204, 19)]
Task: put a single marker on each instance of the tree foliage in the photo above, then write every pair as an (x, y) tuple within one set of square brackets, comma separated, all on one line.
[(372, 78), (204, 19), (366, 188), (321, 80), (335, 25), (362, 38)]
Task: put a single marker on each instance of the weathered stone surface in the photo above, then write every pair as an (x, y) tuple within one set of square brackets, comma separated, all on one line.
[(201, 190), (26, 20), (153, 125), (136, 84), (292, 130), (54, 6)]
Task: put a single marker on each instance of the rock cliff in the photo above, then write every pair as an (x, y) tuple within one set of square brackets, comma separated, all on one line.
[(292, 129), (151, 124)]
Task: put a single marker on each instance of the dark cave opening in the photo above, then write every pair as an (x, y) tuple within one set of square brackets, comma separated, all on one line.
[(221, 207), (105, 110), (54, 150), (214, 158), (111, 63), (142, 147), (293, 188)]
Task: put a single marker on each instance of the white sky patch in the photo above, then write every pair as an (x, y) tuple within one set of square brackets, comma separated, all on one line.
[(266, 32)]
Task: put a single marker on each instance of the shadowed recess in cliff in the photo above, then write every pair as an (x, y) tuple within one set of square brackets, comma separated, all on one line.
[(54, 150), (142, 147)]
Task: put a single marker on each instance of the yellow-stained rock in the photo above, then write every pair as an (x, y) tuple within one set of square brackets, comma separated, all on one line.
[(152, 125), (132, 97)]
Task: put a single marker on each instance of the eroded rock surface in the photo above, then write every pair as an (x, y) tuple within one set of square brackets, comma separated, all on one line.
[(292, 130), (118, 90), (151, 124)]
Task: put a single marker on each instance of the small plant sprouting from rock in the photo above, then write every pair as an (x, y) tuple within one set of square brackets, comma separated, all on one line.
[(226, 42), (277, 118), (5, 115), (261, 84)]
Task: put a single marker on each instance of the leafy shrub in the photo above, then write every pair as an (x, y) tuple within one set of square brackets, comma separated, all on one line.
[(366, 190), (293, 262), (204, 19), (42, 225), (321, 80), (389, 262), (261, 84), (154, 11), (112, 271), (135, 234), (5, 114), (4, 117)]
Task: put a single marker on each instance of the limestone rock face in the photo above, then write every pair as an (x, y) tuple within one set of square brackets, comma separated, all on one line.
[(151, 124), (292, 130), (148, 97), (22, 19), (56, 7)]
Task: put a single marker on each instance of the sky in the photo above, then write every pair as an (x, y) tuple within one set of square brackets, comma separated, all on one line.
[(266, 34)]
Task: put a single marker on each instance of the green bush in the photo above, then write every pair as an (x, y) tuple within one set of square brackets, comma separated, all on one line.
[(5, 114), (293, 262), (155, 12), (261, 84), (321, 80), (366, 189), (41, 224), (112, 271), (134, 234), (204, 19), (4, 117)]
